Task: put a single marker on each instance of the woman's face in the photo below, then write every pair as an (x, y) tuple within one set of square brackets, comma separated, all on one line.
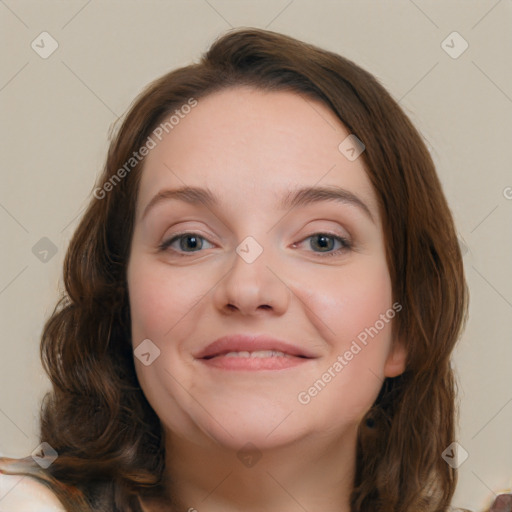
[(259, 261)]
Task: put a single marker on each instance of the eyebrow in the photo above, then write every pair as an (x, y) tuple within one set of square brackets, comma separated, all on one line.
[(293, 199)]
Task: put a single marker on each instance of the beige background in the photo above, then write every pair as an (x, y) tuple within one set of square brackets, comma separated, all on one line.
[(57, 113)]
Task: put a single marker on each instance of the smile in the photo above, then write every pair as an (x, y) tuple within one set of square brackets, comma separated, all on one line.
[(261, 360), (257, 353), (253, 352)]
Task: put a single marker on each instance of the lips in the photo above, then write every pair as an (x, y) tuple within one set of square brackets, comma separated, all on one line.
[(252, 343)]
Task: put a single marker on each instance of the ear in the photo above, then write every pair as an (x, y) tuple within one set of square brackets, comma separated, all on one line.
[(396, 360)]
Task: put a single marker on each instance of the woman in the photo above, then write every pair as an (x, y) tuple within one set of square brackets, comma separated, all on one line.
[(262, 300)]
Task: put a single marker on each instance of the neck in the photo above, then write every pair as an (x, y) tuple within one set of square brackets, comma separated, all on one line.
[(306, 475)]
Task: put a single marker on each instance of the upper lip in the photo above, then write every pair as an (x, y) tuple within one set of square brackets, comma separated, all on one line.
[(251, 343)]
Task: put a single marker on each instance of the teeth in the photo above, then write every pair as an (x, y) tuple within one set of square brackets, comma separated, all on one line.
[(257, 353)]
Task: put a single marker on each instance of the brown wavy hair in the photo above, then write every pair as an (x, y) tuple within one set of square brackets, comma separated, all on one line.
[(109, 439)]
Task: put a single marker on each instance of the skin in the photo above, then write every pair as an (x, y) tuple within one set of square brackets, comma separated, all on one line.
[(250, 148)]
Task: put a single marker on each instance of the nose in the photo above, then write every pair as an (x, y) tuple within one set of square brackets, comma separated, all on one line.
[(252, 287)]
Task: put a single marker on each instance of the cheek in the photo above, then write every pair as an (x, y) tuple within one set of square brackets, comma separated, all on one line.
[(160, 298), (356, 313), (350, 302)]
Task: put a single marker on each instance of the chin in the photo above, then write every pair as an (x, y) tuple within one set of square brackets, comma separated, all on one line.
[(264, 425), (253, 437)]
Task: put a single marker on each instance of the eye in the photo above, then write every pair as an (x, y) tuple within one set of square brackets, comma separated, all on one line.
[(324, 243), (186, 243)]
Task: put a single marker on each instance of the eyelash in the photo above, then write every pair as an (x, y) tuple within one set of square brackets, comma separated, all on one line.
[(345, 242)]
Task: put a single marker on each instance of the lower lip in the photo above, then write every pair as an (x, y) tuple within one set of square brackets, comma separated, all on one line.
[(254, 363)]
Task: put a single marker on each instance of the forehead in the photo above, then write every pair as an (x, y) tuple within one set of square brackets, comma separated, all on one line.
[(247, 143)]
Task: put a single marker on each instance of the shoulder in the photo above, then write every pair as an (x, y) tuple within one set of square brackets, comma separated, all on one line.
[(20, 493)]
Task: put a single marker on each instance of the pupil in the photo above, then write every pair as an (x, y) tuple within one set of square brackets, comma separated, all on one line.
[(192, 245), (324, 244)]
